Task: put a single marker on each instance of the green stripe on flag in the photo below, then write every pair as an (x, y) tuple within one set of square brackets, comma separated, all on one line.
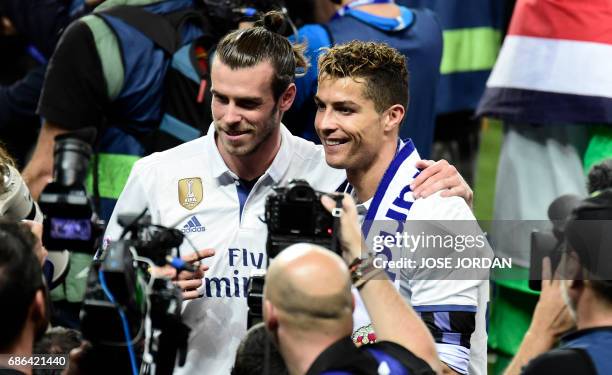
[(467, 50), (113, 172)]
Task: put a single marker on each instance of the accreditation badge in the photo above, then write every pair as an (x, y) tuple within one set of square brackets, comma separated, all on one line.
[(190, 192)]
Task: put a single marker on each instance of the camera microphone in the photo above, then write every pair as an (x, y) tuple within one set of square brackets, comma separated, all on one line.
[(180, 265)]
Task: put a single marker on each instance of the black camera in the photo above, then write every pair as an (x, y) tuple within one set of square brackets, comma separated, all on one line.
[(295, 214), (70, 222), (122, 296), (550, 243)]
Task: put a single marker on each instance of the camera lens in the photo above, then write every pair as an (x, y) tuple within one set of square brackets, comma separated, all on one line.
[(5, 178), (301, 193), (71, 161)]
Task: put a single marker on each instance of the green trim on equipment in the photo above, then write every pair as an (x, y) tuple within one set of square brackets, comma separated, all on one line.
[(109, 54), (467, 50), (114, 170), (111, 3)]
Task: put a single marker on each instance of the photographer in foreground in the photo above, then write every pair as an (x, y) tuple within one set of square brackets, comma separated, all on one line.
[(23, 316), (308, 310), (584, 299)]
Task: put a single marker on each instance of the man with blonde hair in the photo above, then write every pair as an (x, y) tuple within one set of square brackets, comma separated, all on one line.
[(360, 107)]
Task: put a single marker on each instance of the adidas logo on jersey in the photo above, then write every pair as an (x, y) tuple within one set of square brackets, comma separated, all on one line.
[(193, 225)]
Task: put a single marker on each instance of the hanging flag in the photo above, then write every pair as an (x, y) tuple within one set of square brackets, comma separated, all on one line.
[(554, 65)]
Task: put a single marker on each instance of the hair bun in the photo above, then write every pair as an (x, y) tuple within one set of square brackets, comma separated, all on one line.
[(273, 21)]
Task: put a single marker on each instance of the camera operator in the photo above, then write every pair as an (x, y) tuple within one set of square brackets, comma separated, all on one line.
[(308, 310), (23, 316), (580, 295), (40, 24), (109, 72)]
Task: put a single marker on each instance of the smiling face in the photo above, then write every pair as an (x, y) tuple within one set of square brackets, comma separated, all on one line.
[(245, 113), (351, 130)]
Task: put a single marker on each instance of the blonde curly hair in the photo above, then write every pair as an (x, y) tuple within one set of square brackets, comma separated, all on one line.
[(382, 67)]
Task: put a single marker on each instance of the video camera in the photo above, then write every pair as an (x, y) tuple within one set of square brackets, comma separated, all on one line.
[(70, 222), (123, 298), (551, 243), (294, 214), (16, 202)]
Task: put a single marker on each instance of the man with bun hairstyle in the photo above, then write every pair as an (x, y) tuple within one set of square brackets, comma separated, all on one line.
[(214, 188)]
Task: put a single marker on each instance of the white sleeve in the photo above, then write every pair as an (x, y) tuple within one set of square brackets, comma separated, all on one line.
[(448, 307)]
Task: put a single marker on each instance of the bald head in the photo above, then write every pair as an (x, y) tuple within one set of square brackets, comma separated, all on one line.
[(310, 285)]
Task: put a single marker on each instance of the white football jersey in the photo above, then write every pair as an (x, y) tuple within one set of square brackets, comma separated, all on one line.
[(444, 300), (190, 188)]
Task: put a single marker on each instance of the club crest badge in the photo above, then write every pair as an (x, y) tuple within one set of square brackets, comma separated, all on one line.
[(190, 192)]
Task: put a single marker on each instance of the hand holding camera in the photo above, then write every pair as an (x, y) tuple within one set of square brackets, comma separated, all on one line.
[(350, 234)]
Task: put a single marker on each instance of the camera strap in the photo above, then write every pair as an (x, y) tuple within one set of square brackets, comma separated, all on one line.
[(337, 213)]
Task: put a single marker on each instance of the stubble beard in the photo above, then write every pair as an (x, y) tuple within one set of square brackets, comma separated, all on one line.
[(252, 147)]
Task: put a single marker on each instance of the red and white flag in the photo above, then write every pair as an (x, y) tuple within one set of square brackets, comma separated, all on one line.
[(555, 65)]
